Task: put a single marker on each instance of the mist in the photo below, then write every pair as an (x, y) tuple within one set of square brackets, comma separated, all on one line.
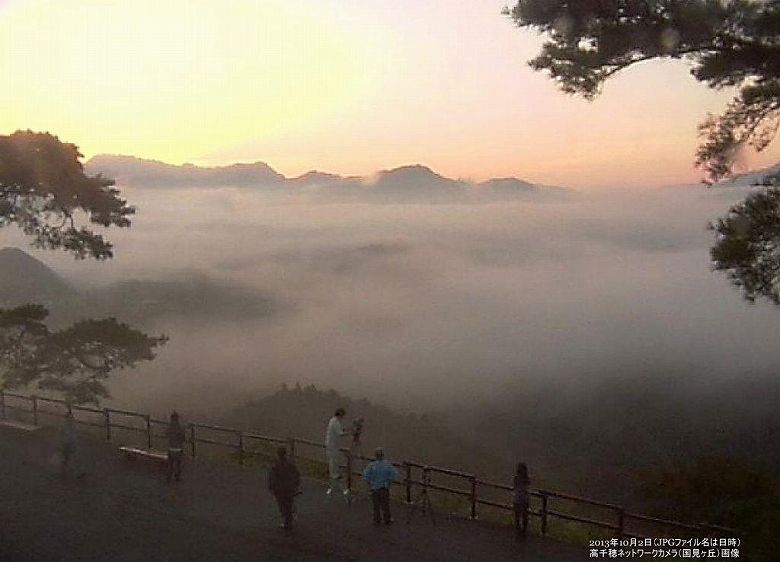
[(426, 306)]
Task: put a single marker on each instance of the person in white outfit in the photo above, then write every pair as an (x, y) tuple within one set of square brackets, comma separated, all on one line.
[(333, 436)]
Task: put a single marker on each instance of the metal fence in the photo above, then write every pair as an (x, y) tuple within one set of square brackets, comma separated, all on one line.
[(415, 476)]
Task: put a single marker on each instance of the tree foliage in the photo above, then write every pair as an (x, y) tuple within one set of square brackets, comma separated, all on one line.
[(747, 245), (728, 43), (721, 490), (45, 192), (74, 362)]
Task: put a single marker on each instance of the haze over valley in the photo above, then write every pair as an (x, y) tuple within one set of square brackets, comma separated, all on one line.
[(490, 314)]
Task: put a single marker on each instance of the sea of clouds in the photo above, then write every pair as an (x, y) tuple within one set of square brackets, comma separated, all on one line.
[(426, 305)]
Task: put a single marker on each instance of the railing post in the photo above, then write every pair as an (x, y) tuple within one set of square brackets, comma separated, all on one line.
[(425, 481), (291, 448), (34, 409), (473, 481), (408, 481), (2, 402), (621, 522), (192, 439), (148, 431), (544, 513), (349, 469), (107, 414), (240, 447)]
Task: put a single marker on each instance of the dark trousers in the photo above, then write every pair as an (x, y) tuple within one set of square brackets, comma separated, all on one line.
[(381, 501), (521, 519), (175, 457), (285, 502)]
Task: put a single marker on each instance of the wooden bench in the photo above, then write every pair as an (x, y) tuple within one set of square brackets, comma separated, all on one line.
[(132, 453)]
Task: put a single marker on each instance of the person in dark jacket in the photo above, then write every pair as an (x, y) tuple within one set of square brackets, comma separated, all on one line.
[(284, 482), (520, 502), (176, 440)]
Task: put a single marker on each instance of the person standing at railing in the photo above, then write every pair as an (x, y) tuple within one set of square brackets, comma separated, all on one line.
[(284, 482), (69, 441), (380, 474), (520, 486), (333, 435), (176, 439)]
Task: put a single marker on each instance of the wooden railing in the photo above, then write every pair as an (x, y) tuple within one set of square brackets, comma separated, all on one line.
[(417, 475)]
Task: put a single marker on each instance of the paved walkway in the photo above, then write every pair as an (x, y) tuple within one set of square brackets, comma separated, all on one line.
[(125, 511)]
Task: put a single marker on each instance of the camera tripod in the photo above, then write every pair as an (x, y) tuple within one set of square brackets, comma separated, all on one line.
[(422, 501), (357, 464)]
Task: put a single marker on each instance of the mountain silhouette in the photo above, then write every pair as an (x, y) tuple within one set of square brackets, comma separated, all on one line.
[(129, 170), (508, 185), (24, 279), (410, 183), (755, 177), (414, 178), (304, 412), (314, 178)]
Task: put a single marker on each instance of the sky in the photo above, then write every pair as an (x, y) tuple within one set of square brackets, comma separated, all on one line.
[(343, 86)]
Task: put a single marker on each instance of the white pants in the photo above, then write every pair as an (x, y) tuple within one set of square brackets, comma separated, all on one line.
[(334, 470)]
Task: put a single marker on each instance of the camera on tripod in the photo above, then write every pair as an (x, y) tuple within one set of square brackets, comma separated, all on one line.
[(357, 429)]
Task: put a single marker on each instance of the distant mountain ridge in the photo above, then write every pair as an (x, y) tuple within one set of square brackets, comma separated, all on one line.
[(304, 412), (138, 170), (754, 177), (24, 278), (411, 182)]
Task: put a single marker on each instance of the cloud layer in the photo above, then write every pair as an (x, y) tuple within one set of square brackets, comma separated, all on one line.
[(426, 305)]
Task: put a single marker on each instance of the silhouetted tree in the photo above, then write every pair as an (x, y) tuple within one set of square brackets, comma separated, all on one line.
[(45, 192), (729, 43), (725, 491), (74, 362), (747, 245)]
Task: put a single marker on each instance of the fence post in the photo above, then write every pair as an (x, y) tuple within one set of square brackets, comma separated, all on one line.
[(425, 481), (107, 414), (240, 447), (473, 481), (544, 513), (291, 448), (192, 439), (148, 431), (408, 481), (2, 402), (34, 409), (349, 469), (621, 522)]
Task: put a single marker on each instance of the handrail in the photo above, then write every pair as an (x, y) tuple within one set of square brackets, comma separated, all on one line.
[(126, 413), (265, 438), (309, 442), (578, 499), (407, 481)]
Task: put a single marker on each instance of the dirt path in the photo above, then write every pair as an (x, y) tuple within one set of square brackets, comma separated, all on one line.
[(125, 511)]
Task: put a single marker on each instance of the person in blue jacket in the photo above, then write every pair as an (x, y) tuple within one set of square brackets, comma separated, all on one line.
[(380, 474)]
